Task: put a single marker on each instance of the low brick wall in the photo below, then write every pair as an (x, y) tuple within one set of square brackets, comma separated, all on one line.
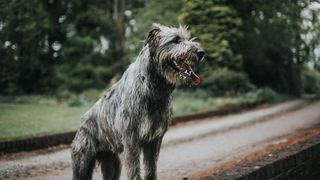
[(298, 162), (36, 142)]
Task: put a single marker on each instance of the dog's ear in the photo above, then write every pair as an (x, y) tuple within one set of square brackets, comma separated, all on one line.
[(152, 40), (152, 37)]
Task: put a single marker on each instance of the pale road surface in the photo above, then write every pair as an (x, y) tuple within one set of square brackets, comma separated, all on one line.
[(194, 147)]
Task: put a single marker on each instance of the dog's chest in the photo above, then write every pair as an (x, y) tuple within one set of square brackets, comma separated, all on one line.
[(155, 116), (147, 106), (150, 130)]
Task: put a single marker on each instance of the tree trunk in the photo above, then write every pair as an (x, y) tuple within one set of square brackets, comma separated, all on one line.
[(118, 17)]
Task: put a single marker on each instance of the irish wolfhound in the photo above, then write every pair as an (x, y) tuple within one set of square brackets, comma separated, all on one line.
[(135, 113)]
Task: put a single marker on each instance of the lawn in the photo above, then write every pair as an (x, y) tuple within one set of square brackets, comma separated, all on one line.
[(186, 102), (27, 116), (31, 119), (27, 120)]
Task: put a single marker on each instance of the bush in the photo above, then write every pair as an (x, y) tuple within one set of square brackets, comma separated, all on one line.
[(28, 99), (266, 94), (190, 101), (226, 82), (310, 81), (63, 94), (75, 101), (90, 96), (87, 97)]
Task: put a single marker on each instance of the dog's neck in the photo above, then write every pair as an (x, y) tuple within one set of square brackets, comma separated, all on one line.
[(149, 70)]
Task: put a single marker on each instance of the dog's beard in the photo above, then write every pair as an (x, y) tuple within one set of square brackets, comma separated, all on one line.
[(170, 74), (180, 71), (178, 67), (185, 71)]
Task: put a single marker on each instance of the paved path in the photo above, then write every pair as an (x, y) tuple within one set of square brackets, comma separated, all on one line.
[(195, 147)]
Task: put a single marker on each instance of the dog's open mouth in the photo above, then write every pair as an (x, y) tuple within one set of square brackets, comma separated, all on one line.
[(185, 70)]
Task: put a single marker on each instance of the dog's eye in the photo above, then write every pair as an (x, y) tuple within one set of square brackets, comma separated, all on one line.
[(176, 40)]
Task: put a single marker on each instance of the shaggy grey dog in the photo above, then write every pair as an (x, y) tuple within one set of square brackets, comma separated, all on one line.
[(135, 113)]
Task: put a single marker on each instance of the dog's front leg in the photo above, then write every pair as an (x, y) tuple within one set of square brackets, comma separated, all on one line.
[(132, 161), (150, 158)]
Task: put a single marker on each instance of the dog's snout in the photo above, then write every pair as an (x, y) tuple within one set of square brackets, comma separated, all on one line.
[(200, 53)]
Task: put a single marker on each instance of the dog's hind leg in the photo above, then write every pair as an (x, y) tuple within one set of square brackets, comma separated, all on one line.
[(83, 157), (110, 165), (83, 165)]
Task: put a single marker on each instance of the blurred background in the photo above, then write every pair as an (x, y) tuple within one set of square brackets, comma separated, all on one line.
[(57, 57)]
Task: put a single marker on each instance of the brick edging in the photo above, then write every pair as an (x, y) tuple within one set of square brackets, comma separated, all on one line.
[(299, 161), (36, 142)]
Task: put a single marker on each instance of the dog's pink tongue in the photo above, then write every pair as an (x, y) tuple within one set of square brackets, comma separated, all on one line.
[(196, 78)]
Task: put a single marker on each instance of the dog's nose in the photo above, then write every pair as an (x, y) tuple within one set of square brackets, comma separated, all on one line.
[(200, 53)]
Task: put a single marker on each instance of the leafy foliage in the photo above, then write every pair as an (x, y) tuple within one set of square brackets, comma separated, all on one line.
[(226, 82), (272, 44), (310, 81), (271, 39), (23, 38), (48, 46), (53, 47), (163, 12), (216, 27)]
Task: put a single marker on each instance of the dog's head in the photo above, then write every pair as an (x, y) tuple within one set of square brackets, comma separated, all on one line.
[(175, 53)]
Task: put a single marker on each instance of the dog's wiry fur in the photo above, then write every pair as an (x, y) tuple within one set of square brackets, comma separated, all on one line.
[(134, 114)]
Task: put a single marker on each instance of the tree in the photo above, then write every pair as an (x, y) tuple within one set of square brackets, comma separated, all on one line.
[(272, 44), (86, 54), (24, 51), (52, 45), (216, 26), (217, 29), (269, 38), (144, 15)]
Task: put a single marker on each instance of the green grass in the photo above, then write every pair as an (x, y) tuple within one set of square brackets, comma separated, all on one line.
[(185, 102), (192, 105), (26, 120), (28, 116)]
